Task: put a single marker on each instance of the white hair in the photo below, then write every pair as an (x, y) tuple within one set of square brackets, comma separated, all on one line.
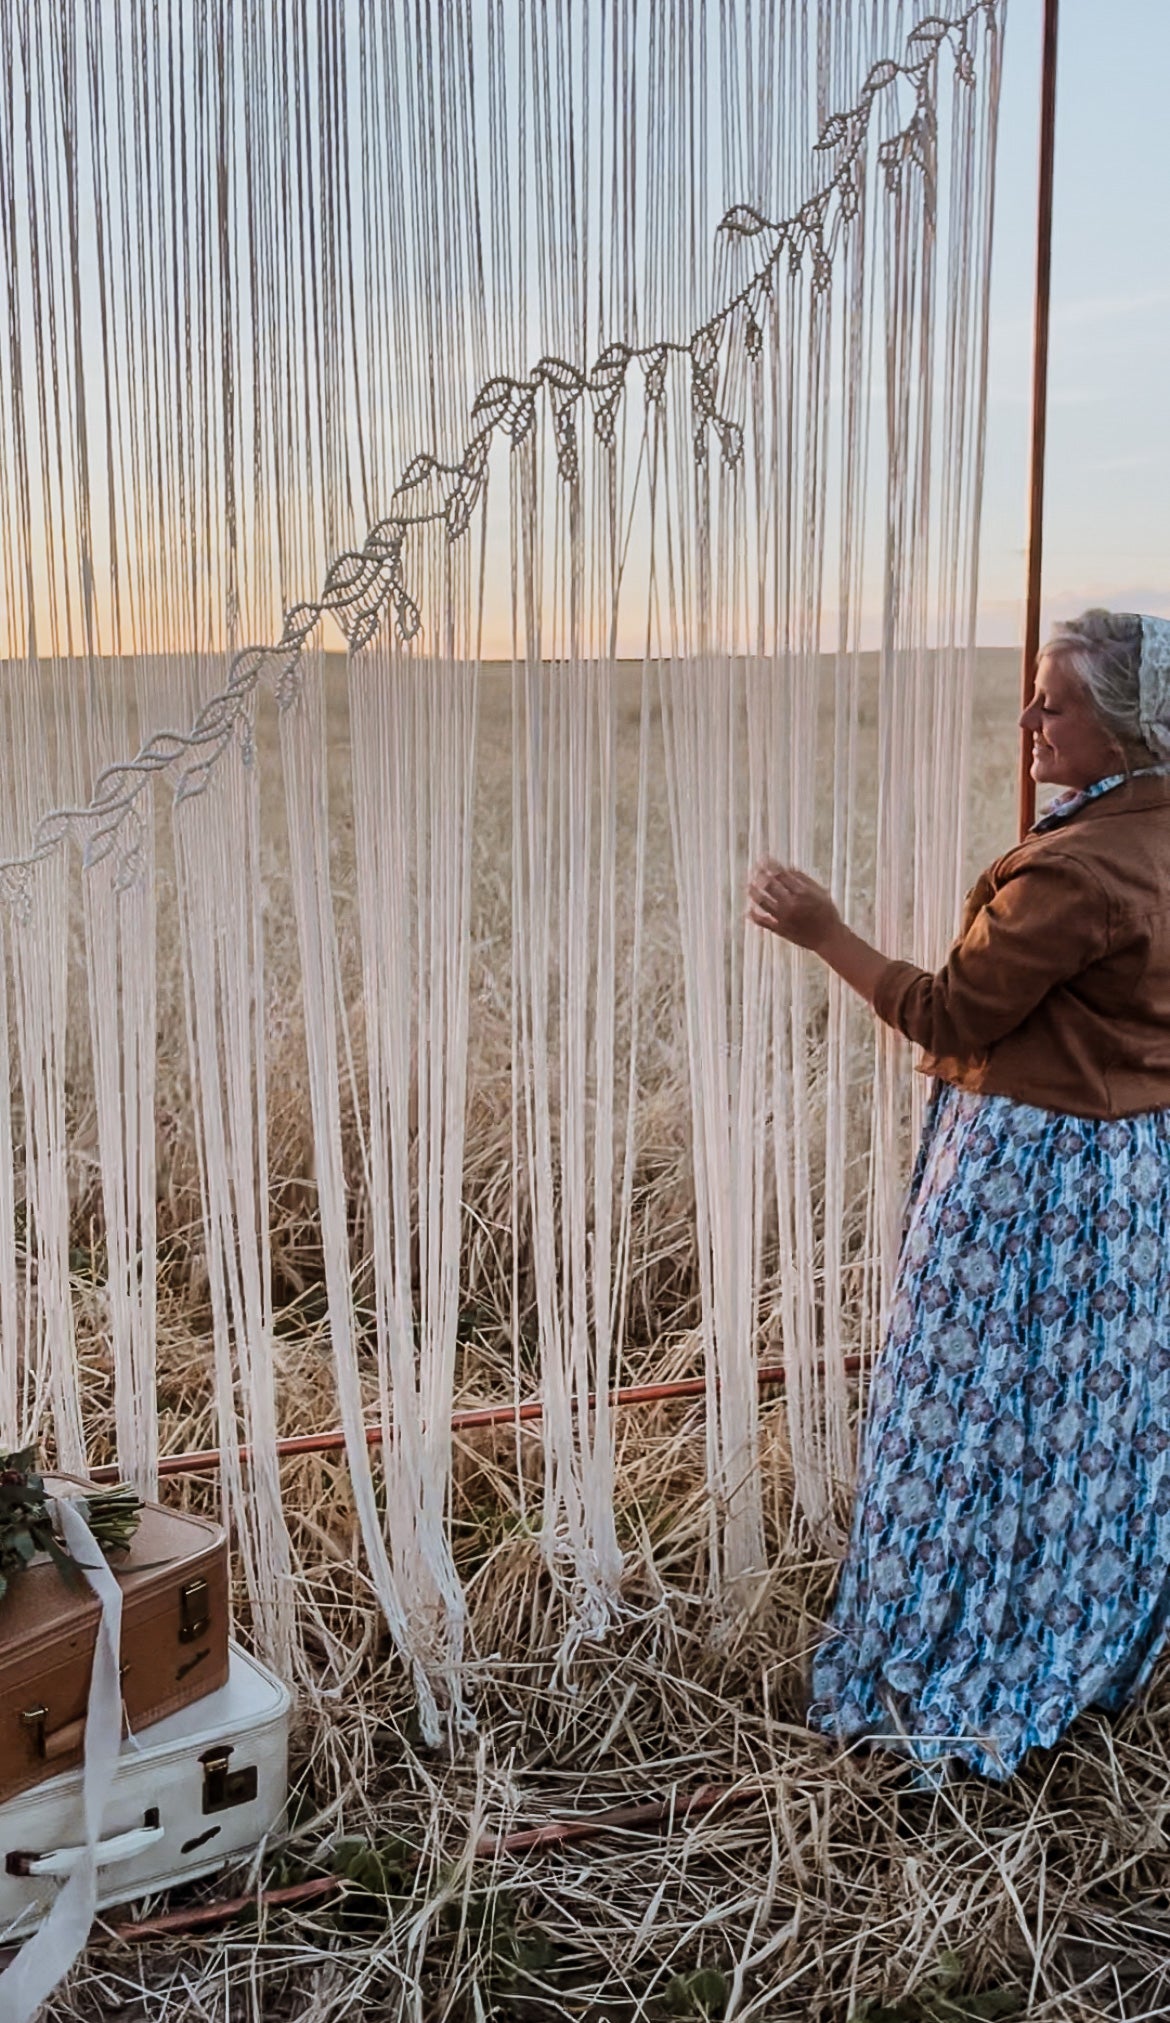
[(1104, 650)]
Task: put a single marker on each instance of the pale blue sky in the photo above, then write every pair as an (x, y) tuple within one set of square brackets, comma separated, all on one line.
[(1108, 519), (1107, 523)]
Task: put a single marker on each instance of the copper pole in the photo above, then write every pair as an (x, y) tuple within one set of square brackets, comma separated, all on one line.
[(586, 1826), (1027, 802), (196, 1917), (207, 1460)]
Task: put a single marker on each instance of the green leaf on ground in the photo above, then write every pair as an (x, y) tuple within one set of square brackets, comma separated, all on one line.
[(700, 1994), (942, 2003)]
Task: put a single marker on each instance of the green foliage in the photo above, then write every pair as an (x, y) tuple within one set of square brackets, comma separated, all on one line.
[(512, 1953), (27, 1525), (505, 1950), (384, 1871), (382, 1878), (702, 1994), (477, 1529), (940, 1998)]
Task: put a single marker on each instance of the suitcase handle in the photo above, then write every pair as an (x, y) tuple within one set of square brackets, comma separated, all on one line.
[(61, 1861)]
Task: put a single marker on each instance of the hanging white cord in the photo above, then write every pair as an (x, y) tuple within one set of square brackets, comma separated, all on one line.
[(314, 319)]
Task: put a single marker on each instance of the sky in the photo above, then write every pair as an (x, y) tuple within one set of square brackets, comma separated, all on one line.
[(1107, 527), (1107, 516)]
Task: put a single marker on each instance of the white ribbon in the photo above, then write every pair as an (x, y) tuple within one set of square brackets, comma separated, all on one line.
[(1154, 685), (53, 1948)]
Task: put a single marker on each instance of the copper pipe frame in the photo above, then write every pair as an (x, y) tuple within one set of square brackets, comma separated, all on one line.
[(208, 1460), (200, 1916), (1027, 786), (490, 1847)]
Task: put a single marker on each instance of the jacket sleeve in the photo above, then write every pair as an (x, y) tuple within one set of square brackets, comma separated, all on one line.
[(1046, 923)]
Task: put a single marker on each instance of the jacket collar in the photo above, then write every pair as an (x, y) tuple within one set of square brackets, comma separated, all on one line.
[(1124, 794)]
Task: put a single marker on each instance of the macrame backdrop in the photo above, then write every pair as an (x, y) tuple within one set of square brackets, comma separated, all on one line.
[(629, 355)]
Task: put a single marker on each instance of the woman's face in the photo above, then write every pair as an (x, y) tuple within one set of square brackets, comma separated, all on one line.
[(1070, 745)]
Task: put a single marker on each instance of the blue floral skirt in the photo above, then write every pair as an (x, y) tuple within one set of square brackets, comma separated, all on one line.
[(1009, 1563)]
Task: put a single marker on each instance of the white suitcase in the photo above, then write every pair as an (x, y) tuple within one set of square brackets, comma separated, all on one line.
[(189, 1793)]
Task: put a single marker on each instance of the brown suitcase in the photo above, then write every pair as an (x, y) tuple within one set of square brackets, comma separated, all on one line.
[(174, 1582)]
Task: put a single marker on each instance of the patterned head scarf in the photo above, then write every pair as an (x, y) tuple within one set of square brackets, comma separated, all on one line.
[(1154, 685)]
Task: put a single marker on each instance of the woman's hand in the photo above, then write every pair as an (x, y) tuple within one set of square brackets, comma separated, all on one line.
[(791, 904)]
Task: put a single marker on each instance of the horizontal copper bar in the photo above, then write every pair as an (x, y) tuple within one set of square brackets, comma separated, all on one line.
[(207, 1460)]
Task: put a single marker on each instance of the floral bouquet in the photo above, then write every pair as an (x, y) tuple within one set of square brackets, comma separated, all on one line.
[(27, 1522)]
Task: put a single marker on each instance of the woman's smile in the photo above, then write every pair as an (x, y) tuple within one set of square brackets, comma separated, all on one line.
[(1070, 746)]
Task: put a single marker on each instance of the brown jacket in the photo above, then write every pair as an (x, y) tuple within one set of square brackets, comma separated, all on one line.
[(1057, 991)]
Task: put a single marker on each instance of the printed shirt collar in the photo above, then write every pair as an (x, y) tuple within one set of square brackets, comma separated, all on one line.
[(1069, 804)]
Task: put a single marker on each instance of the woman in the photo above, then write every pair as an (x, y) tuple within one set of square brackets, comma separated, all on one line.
[(1010, 1555)]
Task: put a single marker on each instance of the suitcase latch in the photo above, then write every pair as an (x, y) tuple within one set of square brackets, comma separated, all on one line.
[(223, 1788), (194, 1610), (63, 1741), (33, 1720)]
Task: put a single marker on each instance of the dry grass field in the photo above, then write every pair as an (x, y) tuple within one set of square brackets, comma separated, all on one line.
[(817, 1889)]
